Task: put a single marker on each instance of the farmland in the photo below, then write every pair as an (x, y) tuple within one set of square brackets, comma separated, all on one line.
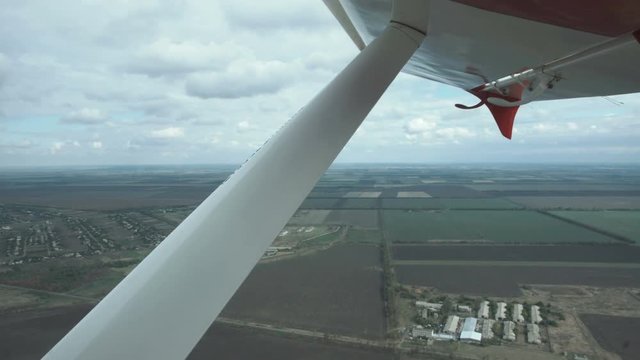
[(347, 267), (357, 203), (361, 218), (491, 280), (228, 342), (448, 203), (615, 333), (338, 290), (579, 202), (364, 236), (624, 223), (494, 226), (29, 335), (564, 253)]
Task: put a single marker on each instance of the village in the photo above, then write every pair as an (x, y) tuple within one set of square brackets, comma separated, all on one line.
[(490, 322)]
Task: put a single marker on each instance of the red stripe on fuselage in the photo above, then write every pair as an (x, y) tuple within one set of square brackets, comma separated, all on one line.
[(603, 17)]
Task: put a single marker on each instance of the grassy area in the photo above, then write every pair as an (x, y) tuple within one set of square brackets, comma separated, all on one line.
[(61, 276), (358, 203), (364, 236), (624, 223), (100, 286), (321, 240), (484, 226), (293, 234)]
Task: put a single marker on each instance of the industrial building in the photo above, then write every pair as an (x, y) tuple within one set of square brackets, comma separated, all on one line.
[(451, 326), (516, 316), (533, 334), (428, 305), (443, 337), (509, 331), (469, 332), (424, 313), (483, 311), (487, 329), (535, 314), (501, 311), (420, 332)]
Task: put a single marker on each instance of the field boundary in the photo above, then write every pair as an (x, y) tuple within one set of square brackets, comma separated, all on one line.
[(588, 227), (514, 263)]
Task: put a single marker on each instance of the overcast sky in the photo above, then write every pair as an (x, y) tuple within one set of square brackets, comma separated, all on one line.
[(163, 82)]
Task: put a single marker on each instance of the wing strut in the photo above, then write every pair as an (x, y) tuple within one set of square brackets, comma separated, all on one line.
[(163, 307)]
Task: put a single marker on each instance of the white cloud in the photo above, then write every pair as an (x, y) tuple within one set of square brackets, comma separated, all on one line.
[(169, 57), (56, 147), (4, 68), (291, 15), (168, 133), (243, 79), (193, 78), (420, 125), (244, 125), (455, 133), (87, 116)]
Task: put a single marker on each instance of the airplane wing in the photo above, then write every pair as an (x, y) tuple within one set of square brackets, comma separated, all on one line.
[(508, 53)]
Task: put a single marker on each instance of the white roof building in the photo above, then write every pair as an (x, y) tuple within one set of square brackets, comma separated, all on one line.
[(424, 313), (533, 334), (444, 337), (469, 330), (464, 308), (487, 328), (535, 314), (501, 311), (428, 305), (483, 311), (509, 331), (517, 313), (451, 326)]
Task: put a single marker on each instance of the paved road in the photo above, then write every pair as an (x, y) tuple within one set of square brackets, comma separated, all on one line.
[(382, 344), (77, 297)]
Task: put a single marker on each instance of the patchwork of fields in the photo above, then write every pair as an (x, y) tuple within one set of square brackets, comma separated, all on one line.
[(516, 226), (29, 335), (615, 333), (560, 253), (337, 290), (625, 223), (504, 281), (361, 234)]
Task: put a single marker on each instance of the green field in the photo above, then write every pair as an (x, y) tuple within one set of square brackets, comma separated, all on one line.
[(364, 236), (358, 203), (438, 203), (319, 203), (515, 226), (624, 223)]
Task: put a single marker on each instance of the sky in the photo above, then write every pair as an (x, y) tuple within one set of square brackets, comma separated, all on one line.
[(98, 82)]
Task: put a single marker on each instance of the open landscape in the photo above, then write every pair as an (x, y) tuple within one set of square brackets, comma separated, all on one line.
[(377, 263)]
